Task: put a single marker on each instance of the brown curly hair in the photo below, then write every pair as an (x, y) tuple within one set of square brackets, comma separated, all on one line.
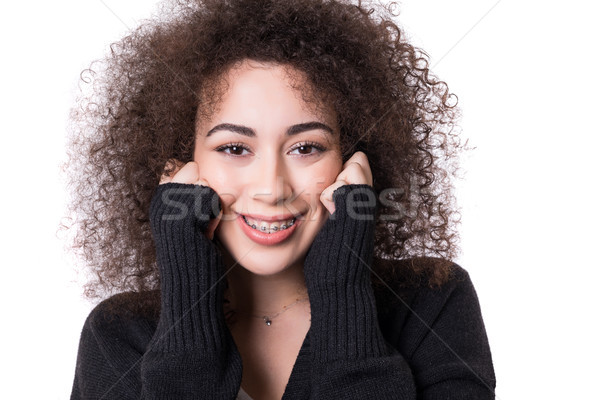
[(142, 102)]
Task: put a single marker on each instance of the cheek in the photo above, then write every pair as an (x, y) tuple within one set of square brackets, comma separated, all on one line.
[(222, 178), (313, 183), (324, 174)]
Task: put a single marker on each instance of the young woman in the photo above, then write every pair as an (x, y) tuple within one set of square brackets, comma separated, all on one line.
[(272, 203)]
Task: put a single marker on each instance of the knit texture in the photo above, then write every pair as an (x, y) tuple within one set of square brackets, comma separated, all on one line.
[(192, 349), (430, 344), (337, 272), (191, 271)]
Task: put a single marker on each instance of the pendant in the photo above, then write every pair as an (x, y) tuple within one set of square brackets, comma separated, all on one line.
[(267, 320)]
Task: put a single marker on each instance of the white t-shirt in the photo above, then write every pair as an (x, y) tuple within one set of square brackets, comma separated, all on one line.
[(242, 395)]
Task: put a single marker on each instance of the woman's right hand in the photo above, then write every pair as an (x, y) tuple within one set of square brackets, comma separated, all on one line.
[(189, 173), (191, 330)]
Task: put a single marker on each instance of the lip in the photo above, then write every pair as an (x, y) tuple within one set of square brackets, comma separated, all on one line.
[(263, 238)]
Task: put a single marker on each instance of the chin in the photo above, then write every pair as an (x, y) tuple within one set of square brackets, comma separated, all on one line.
[(264, 270), (259, 259), (258, 266)]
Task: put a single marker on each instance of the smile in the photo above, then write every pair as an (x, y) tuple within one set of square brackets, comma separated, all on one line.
[(265, 232), (268, 227)]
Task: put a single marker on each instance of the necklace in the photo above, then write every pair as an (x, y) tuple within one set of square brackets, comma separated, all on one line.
[(269, 319)]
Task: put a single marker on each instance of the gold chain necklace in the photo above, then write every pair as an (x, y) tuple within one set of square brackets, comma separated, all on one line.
[(269, 319)]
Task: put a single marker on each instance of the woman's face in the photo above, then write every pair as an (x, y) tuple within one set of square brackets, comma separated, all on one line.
[(269, 155)]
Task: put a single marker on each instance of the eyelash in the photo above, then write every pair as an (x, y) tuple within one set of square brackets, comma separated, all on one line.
[(224, 148), (229, 146)]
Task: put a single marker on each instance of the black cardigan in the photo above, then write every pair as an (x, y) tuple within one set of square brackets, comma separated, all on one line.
[(428, 344)]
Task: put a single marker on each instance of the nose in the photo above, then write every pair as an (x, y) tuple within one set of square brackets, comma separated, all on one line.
[(271, 180)]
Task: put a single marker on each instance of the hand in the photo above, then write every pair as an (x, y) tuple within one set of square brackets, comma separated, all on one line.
[(353, 191), (354, 171), (189, 174), (337, 271), (182, 210), (191, 327)]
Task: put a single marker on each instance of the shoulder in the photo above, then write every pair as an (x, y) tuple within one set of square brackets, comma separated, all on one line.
[(411, 310), (406, 281), (440, 332), (114, 337), (125, 319)]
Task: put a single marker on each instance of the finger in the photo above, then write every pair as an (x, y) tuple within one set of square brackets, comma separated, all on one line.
[(354, 173), (213, 223), (202, 182), (327, 195), (187, 174), (212, 226), (365, 176), (358, 157)]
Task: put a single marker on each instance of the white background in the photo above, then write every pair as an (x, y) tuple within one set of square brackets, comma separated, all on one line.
[(526, 74)]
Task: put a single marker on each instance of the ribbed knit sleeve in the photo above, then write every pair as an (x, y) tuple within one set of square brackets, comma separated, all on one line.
[(348, 350), (430, 344), (192, 354)]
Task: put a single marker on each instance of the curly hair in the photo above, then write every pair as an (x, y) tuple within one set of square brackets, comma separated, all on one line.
[(142, 102)]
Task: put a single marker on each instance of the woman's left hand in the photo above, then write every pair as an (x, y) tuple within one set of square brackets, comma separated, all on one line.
[(354, 171), (337, 270)]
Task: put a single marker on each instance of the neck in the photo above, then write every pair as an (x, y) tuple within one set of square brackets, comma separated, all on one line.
[(264, 294)]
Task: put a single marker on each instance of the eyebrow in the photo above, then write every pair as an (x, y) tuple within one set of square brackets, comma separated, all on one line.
[(292, 130)]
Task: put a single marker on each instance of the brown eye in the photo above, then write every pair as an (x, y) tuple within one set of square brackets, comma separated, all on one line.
[(236, 150), (305, 149), (233, 149)]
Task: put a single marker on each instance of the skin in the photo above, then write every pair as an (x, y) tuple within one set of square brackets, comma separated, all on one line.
[(268, 174)]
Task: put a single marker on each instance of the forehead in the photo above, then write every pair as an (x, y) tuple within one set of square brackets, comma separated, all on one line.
[(251, 84)]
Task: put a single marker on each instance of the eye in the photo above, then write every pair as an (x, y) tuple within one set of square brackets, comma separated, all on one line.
[(233, 149), (307, 148)]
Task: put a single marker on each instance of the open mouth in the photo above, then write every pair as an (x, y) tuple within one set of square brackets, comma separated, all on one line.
[(268, 233), (269, 227)]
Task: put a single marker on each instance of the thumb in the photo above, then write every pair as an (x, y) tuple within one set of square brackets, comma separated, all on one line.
[(212, 226), (327, 195)]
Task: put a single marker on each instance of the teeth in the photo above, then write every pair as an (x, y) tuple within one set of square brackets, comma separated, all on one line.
[(269, 227)]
